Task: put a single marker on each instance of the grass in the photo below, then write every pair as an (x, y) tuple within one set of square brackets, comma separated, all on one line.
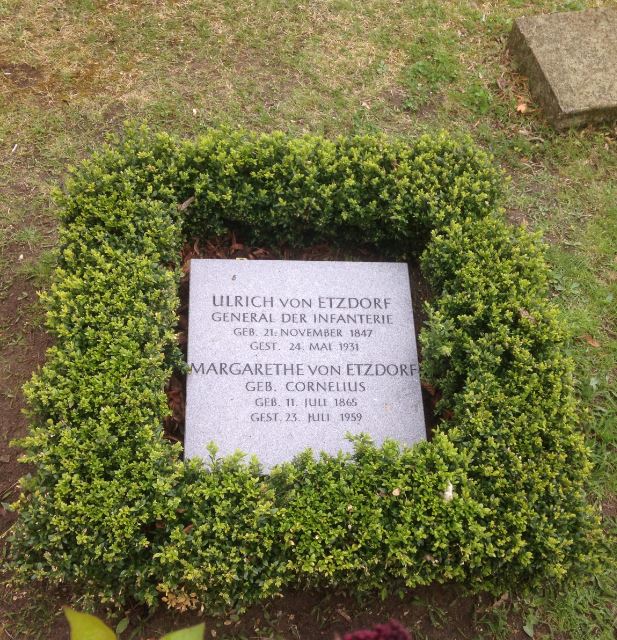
[(71, 72)]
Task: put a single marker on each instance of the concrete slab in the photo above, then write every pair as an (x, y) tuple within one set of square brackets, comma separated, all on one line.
[(571, 61), (287, 355)]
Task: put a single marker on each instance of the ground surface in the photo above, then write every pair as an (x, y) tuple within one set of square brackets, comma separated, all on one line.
[(71, 72)]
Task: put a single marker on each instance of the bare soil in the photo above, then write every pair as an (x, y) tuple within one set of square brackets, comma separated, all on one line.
[(22, 351)]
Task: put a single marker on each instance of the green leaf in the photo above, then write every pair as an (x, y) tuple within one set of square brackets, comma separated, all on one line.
[(192, 633), (122, 625), (87, 627), (530, 623)]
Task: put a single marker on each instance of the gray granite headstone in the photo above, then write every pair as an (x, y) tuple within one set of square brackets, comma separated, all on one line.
[(571, 61), (287, 355)]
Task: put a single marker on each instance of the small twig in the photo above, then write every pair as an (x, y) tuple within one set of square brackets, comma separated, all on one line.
[(7, 633), (5, 493), (5, 533), (186, 204)]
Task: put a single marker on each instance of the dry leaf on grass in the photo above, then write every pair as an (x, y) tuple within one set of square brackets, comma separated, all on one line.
[(590, 340)]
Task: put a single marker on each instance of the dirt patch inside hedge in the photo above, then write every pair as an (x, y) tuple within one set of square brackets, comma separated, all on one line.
[(22, 351)]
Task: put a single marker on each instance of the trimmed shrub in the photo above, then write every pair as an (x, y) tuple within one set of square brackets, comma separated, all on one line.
[(495, 499)]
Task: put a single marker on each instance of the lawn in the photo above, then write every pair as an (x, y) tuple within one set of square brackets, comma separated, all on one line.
[(72, 72)]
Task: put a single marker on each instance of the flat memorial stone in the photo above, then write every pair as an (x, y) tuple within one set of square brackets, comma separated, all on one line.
[(571, 61), (287, 355)]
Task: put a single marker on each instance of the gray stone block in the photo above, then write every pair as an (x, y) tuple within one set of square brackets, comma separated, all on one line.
[(287, 355), (571, 61)]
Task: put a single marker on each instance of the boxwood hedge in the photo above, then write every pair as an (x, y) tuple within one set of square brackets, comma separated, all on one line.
[(496, 498)]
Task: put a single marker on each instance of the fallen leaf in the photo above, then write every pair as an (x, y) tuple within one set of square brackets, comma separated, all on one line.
[(502, 600), (186, 204), (530, 624), (343, 614), (526, 315), (521, 107), (590, 340), (430, 388), (122, 625)]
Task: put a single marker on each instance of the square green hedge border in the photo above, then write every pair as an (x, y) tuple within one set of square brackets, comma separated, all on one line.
[(495, 499)]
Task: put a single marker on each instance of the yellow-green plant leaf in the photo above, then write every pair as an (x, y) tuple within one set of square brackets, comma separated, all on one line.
[(122, 625), (192, 633), (87, 627)]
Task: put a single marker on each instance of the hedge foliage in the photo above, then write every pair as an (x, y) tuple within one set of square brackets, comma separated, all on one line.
[(495, 499)]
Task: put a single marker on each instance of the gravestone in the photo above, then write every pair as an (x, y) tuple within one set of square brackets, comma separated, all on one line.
[(287, 355), (571, 61)]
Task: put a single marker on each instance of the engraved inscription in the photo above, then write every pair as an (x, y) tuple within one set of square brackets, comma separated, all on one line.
[(289, 355)]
